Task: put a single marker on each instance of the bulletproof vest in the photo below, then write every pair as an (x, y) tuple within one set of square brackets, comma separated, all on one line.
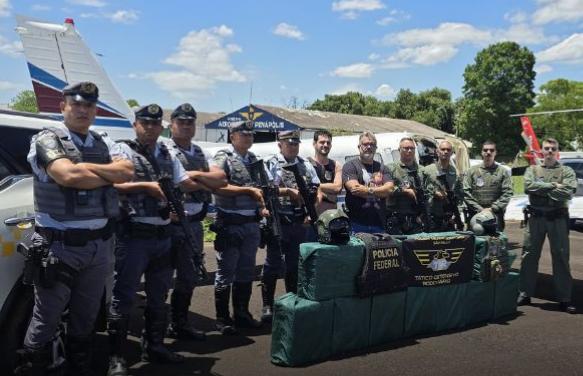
[(548, 175), (326, 173), (68, 204), (383, 269), (405, 178), (486, 188), (195, 162), (238, 174), (495, 263), (147, 167), (289, 180), (438, 207)]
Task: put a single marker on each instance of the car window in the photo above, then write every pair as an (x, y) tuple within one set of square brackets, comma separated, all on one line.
[(577, 167)]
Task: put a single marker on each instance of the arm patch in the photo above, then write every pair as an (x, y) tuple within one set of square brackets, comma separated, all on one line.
[(48, 149)]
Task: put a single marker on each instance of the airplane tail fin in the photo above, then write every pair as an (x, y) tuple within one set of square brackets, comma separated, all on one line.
[(56, 56)]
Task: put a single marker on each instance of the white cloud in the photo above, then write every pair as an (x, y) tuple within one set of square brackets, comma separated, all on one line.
[(88, 3), (5, 8), (40, 7), (516, 17), (558, 11), (422, 55), (359, 70), (569, 50), (346, 88), (522, 33), (374, 56), (385, 90), (393, 17), (288, 31), (124, 16), (350, 9), (12, 49), (542, 68), (203, 59), (8, 86), (282, 87), (446, 33)]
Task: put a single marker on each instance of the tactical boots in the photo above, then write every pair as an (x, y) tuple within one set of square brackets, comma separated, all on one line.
[(291, 281), (224, 323), (33, 362), (180, 327), (567, 307), (241, 297), (268, 284), (153, 348), (117, 328), (79, 355), (523, 299)]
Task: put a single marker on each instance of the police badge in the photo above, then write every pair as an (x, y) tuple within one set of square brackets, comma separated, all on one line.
[(186, 107), (153, 109), (479, 181)]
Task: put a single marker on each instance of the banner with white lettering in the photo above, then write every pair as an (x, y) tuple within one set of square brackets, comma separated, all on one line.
[(440, 259)]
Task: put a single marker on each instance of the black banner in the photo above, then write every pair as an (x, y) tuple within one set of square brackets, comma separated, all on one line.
[(439, 260)]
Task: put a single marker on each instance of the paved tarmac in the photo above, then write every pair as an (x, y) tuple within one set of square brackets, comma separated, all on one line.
[(538, 340)]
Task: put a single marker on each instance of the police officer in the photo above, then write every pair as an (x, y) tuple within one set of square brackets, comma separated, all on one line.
[(549, 186), (442, 177), (240, 206), (368, 183), (143, 241), (329, 172), (75, 202), (210, 177), (488, 187), (407, 206), (293, 219)]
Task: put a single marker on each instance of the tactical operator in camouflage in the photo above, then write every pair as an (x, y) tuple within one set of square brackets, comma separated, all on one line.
[(240, 206), (549, 186), (445, 191), (209, 176), (407, 206), (488, 187)]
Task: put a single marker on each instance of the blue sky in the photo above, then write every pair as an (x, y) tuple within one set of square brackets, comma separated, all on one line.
[(211, 53)]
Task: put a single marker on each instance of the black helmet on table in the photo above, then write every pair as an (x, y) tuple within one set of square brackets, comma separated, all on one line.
[(333, 227)]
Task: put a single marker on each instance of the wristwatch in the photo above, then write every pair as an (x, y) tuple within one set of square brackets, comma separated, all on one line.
[(370, 191)]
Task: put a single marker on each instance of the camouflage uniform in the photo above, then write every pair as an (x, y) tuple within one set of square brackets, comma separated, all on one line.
[(488, 187), (442, 220)]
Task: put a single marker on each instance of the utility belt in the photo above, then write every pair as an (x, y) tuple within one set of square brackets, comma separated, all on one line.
[(547, 214), (227, 219), (290, 216), (76, 237), (140, 230), (191, 219), (398, 224)]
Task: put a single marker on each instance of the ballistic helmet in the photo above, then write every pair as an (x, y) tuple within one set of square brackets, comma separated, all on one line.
[(333, 227), (484, 223)]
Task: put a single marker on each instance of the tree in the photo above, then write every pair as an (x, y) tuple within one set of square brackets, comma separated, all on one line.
[(498, 84), (132, 103), (25, 101), (560, 94)]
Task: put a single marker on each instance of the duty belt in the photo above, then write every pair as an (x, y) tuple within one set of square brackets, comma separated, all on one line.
[(147, 231), (548, 214), (235, 219), (76, 237)]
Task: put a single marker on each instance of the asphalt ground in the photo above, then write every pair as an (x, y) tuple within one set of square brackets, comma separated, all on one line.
[(538, 340)]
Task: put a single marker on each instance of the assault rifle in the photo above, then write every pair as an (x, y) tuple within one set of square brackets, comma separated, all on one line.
[(308, 193), (271, 230), (450, 204), (176, 206), (422, 206)]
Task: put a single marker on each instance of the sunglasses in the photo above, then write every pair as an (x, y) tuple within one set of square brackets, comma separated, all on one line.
[(372, 146), (485, 150), (408, 148), (550, 148)]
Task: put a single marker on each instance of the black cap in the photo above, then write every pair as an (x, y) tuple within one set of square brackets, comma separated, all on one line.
[(184, 111), (242, 126), (82, 92), (149, 112), (292, 137)]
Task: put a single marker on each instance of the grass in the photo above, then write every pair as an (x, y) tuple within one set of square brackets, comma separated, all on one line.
[(518, 185), (209, 236)]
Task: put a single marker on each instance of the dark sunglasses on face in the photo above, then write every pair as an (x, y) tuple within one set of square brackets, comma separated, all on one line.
[(408, 148), (550, 148), (485, 150), (444, 150)]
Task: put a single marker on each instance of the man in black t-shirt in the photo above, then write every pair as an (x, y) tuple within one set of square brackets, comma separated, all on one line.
[(368, 183)]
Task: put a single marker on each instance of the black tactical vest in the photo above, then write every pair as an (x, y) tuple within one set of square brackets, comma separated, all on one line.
[(289, 180), (326, 173), (383, 269), (141, 204), (70, 204), (195, 162), (238, 174), (548, 175)]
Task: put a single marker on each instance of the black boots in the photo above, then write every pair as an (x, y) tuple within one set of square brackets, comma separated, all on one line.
[(241, 298), (79, 355), (567, 307), (268, 284), (33, 362), (224, 323), (153, 348), (180, 327), (291, 282), (117, 329), (523, 299)]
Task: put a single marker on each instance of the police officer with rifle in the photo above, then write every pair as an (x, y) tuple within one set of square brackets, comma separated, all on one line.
[(290, 173), (445, 191), (76, 204), (240, 207), (143, 241), (187, 230), (407, 208)]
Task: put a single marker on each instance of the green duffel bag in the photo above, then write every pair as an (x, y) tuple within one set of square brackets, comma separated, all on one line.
[(351, 324), (328, 271), (505, 295), (479, 302), (301, 330), (491, 258), (387, 318)]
